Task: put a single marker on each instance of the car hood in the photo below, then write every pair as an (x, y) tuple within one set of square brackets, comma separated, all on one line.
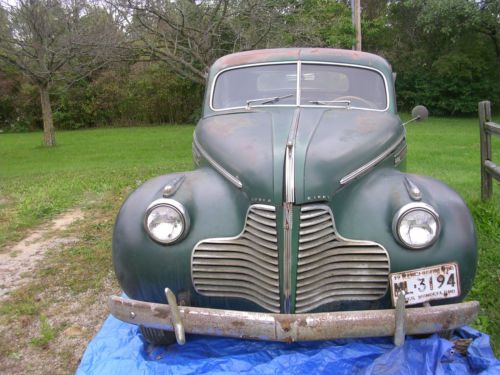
[(328, 145)]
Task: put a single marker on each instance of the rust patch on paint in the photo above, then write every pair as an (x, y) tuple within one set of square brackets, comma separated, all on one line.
[(160, 313), (302, 323), (293, 54), (284, 323), (263, 55), (238, 324)]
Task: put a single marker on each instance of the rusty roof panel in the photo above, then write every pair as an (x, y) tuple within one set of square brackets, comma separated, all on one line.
[(257, 56), (305, 54)]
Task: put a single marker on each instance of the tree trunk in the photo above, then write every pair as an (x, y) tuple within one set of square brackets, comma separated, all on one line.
[(49, 135)]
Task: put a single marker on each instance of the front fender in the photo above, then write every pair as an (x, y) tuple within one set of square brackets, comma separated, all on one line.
[(143, 266), (365, 210)]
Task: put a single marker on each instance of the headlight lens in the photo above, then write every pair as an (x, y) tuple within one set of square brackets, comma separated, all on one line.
[(166, 221), (416, 225)]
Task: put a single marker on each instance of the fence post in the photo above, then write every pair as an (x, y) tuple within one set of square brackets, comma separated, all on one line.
[(485, 144), (489, 169)]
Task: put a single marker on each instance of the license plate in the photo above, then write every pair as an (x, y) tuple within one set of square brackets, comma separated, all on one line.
[(426, 284)]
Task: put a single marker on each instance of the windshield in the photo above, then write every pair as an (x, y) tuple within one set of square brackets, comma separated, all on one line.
[(320, 85), (235, 87)]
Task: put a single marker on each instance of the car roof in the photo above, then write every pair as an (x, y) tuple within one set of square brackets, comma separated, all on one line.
[(332, 55)]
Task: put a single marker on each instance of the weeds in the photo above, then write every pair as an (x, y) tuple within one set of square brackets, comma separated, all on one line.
[(47, 333)]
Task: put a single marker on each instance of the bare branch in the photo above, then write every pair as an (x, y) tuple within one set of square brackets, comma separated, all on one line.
[(190, 35)]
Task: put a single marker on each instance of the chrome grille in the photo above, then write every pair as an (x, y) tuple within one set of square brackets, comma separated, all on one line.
[(245, 266), (331, 268)]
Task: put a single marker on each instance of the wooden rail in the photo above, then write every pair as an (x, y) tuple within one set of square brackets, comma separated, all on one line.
[(488, 168)]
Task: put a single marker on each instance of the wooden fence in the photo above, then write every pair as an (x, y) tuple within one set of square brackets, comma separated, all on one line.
[(488, 168)]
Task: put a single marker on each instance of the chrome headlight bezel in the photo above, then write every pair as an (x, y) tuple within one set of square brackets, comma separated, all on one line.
[(412, 207), (179, 208)]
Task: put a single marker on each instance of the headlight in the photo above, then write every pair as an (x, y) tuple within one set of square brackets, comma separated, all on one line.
[(166, 221), (416, 225)]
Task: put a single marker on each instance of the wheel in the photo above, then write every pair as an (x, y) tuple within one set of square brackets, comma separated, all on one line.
[(158, 336), (446, 334)]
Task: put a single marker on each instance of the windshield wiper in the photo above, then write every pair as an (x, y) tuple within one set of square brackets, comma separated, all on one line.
[(271, 100), (347, 103)]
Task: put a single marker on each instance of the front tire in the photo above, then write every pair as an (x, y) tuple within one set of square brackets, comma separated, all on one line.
[(446, 334), (158, 336)]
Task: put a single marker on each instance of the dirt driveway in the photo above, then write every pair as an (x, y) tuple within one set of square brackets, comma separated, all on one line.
[(54, 286)]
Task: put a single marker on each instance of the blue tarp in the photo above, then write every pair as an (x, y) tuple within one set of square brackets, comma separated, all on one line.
[(119, 348)]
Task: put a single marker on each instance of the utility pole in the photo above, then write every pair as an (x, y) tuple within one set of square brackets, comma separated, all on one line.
[(356, 22)]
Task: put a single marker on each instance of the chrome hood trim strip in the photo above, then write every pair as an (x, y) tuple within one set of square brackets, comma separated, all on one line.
[(413, 190), (289, 199), (290, 159), (372, 163), (219, 168)]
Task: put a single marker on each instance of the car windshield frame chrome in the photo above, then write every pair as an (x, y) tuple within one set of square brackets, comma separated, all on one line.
[(297, 103)]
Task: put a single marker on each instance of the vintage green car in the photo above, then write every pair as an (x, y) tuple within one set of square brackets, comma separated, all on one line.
[(299, 221)]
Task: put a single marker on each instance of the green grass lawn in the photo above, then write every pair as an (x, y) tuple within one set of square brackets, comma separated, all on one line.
[(36, 183), (448, 149)]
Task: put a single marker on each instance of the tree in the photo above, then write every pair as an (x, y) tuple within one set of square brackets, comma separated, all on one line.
[(318, 23), (190, 35), (444, 52), (55, 40), (454, 18)]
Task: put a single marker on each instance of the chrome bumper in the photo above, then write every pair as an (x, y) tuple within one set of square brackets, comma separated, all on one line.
[(293, 327)]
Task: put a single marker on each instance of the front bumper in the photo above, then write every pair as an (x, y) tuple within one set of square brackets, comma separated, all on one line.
[(293, 327)]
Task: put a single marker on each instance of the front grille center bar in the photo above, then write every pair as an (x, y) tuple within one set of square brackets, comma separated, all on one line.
[(287, 256), (289, 190)]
